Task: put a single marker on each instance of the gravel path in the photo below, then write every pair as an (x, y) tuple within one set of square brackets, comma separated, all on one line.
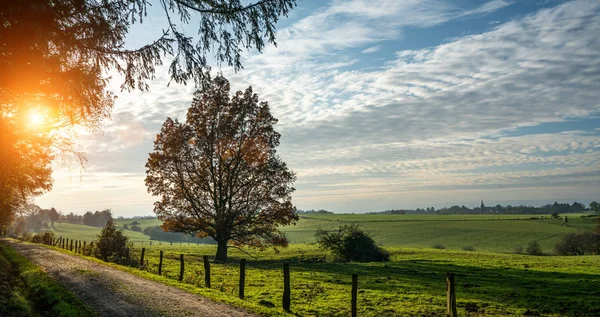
[(115, 293)]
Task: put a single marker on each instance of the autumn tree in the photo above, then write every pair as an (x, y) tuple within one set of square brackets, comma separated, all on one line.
[(56, 57), (218, 174)]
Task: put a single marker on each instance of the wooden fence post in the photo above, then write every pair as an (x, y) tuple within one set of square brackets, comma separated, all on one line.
[(84, 244), (450, 296), (206, 271), (286, 287), (242, 277), (160, 263), (181, 268), (354, 294), (142, 257), (71, 248)]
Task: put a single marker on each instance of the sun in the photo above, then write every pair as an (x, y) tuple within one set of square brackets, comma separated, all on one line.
[(36, 118)]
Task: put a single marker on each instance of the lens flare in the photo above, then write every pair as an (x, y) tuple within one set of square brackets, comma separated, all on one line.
[(36, 118)]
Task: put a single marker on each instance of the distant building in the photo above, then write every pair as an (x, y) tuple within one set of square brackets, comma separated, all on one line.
[(483, 209)]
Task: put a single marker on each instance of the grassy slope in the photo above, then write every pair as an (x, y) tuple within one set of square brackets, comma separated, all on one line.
[(412, 284), (34, 292), (493, 233)]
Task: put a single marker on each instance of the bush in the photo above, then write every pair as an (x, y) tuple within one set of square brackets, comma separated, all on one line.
[(578, 244), (439, 246), (136, 228), (518, 249), (135, 223), (534, 248), (350, 243), (43, 237), (112, 245), (468, 248), (125, 227)]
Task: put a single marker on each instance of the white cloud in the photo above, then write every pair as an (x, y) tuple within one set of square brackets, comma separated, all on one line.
[(418, 127), (371, 49)]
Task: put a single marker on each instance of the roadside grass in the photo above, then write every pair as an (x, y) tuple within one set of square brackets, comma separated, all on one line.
[(12, 299), (412, 284), (37, 294)]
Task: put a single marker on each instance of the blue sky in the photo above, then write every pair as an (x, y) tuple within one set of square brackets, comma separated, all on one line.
[(392, 104)]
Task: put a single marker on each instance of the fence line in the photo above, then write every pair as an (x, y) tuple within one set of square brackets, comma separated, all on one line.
[(63, 243)]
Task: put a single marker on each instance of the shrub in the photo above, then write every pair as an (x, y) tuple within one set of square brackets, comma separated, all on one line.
[(578, 244), (439, 246), (534, 248), (518, 249), (468, 248), (111, 244), (135, 223), (350, 243), (43, 237), (136, 228), (125, 227)]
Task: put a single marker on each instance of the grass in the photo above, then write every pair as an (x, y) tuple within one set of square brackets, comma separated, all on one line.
[(412, 284), (491, 281), (29, 291), (490, 233)]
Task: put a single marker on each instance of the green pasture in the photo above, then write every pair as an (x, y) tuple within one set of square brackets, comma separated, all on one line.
[(491, 281), (490, 233), (412, 284)]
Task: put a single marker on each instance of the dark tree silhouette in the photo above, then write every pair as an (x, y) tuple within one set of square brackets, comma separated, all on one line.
[(54, 55), (218, 174)]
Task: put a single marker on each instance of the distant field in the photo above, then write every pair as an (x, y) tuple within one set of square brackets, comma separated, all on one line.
[(491, 233), (82, 232)]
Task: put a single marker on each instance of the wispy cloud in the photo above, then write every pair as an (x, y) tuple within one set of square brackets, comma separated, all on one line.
[(424, 126)]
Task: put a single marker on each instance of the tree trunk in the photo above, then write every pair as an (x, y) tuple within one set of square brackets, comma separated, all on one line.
[(221, 251)]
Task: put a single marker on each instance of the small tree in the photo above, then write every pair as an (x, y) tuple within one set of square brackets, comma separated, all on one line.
[(534, 248), (111, 244), (218, 174), (53, 216), (595, 207), (578, 244), (350, 243)]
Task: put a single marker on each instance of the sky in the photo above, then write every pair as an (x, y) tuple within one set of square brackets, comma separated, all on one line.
[(389, 104)]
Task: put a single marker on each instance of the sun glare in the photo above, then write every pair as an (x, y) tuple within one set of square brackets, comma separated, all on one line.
[(36, 118)]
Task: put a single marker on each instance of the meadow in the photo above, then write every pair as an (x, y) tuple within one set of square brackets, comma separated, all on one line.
[(491, 280), (490, 233)]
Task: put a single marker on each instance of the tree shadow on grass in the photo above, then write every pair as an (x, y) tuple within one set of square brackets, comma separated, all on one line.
[(564, 294), (514, 289)]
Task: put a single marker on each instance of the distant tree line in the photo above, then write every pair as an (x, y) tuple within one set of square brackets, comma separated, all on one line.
[(555, 208), (313, 212), (98, 218), (32, 218)]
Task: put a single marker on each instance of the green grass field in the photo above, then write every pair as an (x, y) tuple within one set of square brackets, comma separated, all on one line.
[(491, 281), (490, 233), (411, 284)]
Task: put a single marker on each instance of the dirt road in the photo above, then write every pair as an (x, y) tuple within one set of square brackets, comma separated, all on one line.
[(115, 293)]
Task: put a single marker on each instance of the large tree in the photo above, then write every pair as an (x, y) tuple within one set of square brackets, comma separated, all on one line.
[(218, 173), (55, 57)]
